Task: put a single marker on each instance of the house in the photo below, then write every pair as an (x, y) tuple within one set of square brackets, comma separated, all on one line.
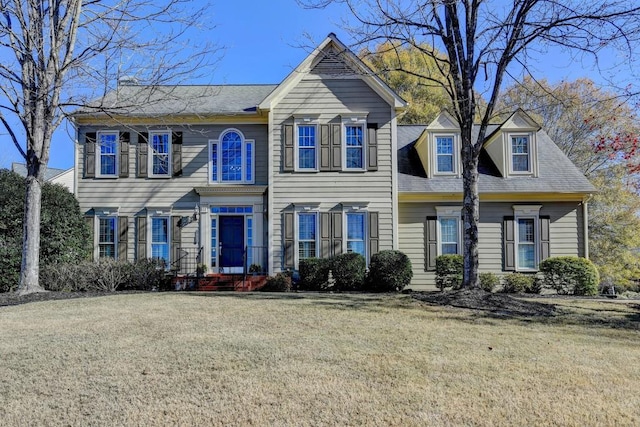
[(266, 175), (64, 177)]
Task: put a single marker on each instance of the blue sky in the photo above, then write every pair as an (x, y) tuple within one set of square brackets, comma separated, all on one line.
[(263, 40)]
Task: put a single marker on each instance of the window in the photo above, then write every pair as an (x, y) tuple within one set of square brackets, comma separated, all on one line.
[(449, 235), (520, 150), (160, 239), (307, 225), (159, 145), (232, 158), (214, 242), (526, 244), (356, 233), (107, 237), (307, 152), (108, 153), (354, 147), (444, 154)]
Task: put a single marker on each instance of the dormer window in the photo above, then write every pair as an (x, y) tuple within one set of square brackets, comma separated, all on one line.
[(520, 154)]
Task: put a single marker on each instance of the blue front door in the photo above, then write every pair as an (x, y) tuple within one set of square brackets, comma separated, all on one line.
[(231, 241)]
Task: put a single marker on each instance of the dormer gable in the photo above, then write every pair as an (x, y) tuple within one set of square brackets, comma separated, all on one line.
[(333, 59), (438, 147), (513, 147)]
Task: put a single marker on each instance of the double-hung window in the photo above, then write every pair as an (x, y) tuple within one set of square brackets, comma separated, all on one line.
[(160, 239), (520, 154), (354, 146), (307, 235), (307, 147), (108, 154), (445, 154), (449, 235), (356, 232), (526, 243), (160, 149), (232, 159), (107, 237)]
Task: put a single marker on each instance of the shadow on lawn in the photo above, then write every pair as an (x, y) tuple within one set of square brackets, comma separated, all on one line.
[(553, 311)]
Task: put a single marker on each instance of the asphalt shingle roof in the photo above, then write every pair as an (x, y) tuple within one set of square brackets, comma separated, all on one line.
[(142, 101), (21, 169), (556, 172)]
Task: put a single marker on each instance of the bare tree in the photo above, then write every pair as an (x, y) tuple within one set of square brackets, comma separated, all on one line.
[(479, 43), (57, 55)]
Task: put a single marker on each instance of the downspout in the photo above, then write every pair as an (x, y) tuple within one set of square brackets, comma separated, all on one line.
[(585, 224)]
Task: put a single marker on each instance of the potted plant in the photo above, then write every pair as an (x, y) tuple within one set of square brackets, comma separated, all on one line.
[(255, 269)]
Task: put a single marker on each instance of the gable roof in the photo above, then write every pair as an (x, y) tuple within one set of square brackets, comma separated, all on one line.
[(153, 101), (557, 173), (349, 58)]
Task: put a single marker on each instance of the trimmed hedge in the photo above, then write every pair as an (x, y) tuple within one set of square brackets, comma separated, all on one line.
[(348, 271), (489, 281), (313, 274), (570, 275), (389, 271), (516, 283), (449, 271), (281, 282)]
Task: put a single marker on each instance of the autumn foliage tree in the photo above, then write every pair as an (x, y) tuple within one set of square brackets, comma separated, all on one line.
[(475, 44)]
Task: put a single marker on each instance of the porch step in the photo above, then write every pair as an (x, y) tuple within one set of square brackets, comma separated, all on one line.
[(219, 282)]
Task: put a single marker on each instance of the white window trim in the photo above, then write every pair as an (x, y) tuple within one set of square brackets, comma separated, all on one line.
[(345, 231), (527, 212), (305, 210), (532, 153), (306, 121), (164, 215), (245, 142), (448, 212), (151, 153), (456, 153), (98, 150), (354, 121), (101, 213)]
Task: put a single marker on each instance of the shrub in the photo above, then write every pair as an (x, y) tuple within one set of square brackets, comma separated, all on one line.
[(517, 283), (570, 275), (313, 273), (108, 275), (281, 282), (65, 276), (348, 271), (64, 236), (389, 271), (489, 281), (147, 274), (449, 271)]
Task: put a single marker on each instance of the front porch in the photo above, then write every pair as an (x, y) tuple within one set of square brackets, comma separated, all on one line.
[(219, 282)]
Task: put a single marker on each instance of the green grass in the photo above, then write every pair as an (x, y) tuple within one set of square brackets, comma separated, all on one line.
[(298, 359)]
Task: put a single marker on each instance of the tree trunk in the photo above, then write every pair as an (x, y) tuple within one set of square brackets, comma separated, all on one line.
[(470, 215), (29, 274)]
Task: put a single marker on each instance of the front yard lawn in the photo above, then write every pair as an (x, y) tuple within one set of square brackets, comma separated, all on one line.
[(309, 359)]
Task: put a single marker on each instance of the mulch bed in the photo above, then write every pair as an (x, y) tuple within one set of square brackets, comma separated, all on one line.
[(10, 298), (499, 304)]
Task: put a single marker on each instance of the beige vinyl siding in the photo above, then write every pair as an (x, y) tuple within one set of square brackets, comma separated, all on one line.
[(331, 98), (132, 195), (566, 235)]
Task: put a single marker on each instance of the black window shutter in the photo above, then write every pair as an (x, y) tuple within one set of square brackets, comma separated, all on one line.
[(336, 147), (141, 245), (288, 261), (176, 241), (325, 148), (374, 233), (431, 243), (123, 234), (336, 233), (90, 221), (325, 235), (545, 223), (509, 243), (90, 155), (143, 153), (176, 153), (287, 148), (124, 155), (372, 146)]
